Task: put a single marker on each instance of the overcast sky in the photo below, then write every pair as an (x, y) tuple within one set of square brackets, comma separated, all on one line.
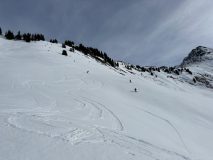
[(145, 32)]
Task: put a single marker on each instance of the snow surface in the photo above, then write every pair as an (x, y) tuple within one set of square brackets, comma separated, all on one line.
[(51, 109)]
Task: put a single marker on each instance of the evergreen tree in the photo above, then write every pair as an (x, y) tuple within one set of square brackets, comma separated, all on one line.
[(53, 41), (9, 35), (63, 45), (64, 53), (41, 37), (0, 31), (33, 37), (18, 36), (72, 49), (27, 37), (69, 43)]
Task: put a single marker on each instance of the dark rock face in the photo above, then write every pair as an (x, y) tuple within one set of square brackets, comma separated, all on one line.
[(196, 55), (205, 80)]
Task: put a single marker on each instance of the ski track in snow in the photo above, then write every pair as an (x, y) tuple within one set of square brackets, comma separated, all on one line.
[(62, 129), (96, 113), (138, 147), (171, 125), (45, 125), (94, 133), (69, 131), (99, 105)]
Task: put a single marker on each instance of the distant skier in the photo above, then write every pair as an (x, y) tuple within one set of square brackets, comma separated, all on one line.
[(135, 89), (87, 72), (130, 81)]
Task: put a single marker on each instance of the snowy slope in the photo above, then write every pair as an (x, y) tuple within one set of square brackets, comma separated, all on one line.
[(51, 108)]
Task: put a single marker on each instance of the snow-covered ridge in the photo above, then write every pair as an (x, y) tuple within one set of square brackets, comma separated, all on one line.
[(74, 107)]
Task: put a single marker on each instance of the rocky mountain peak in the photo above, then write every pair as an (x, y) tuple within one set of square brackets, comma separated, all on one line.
[(197, 55)]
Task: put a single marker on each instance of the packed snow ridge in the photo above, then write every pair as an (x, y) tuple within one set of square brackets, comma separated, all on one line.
[(74, 107)]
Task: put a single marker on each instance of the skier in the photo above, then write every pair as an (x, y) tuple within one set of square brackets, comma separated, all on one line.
[(130, 81), (135, 89)]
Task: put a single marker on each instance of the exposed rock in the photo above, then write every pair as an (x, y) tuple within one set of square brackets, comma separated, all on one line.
[(197, 55)]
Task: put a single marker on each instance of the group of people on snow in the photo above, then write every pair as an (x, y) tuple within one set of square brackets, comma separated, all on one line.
[(135, 89)]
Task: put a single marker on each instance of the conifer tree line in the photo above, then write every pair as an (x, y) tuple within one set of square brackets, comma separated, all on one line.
[(93, 52), (54, 41), (25, 36), (98, 55)]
